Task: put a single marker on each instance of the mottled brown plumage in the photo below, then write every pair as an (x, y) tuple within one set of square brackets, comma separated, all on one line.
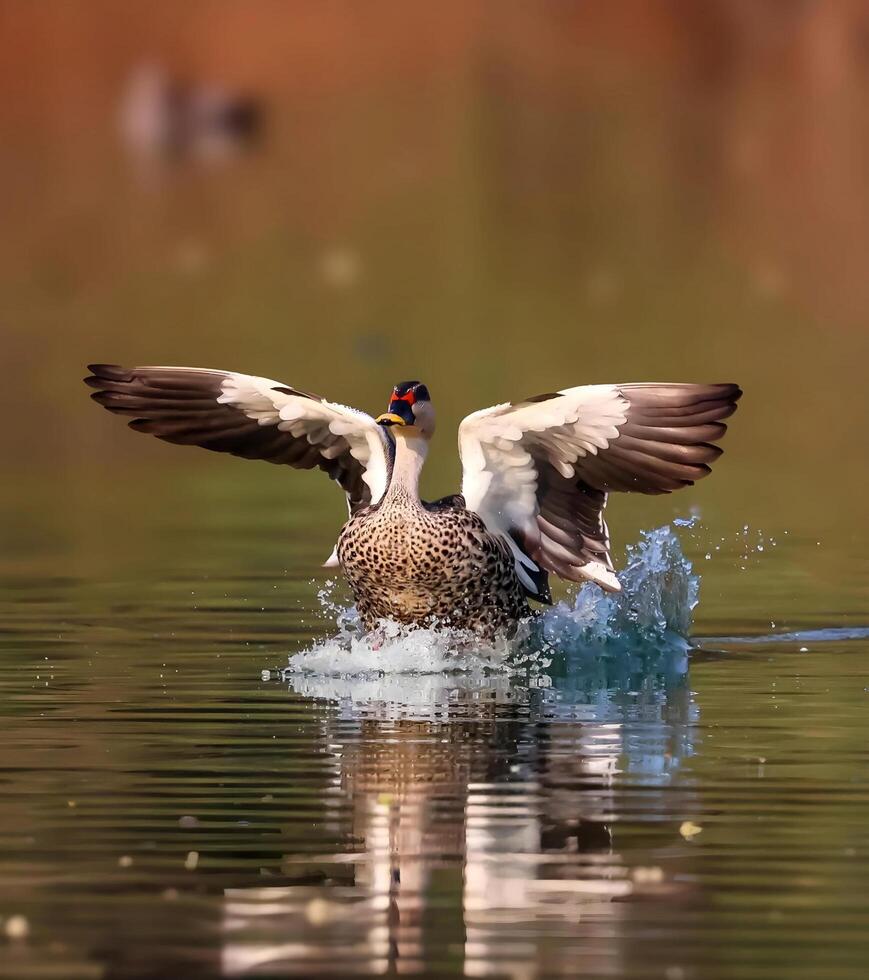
[(430, 564)]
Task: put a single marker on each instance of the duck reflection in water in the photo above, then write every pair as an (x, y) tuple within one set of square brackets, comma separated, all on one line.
[(509, 795)]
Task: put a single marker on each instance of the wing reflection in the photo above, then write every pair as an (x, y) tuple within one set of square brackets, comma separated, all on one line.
[(471, 807)]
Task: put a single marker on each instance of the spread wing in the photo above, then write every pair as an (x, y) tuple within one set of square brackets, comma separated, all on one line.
[(539, 471), (250, 417)]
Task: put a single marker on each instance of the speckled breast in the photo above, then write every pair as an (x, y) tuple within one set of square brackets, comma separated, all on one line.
[(414, 565)]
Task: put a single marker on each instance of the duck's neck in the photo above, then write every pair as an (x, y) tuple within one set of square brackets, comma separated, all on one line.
[(410, 453)]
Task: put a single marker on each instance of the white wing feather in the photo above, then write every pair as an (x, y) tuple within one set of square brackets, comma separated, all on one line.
[(225, 411), (500, 477), (259, 399), (540, 470)]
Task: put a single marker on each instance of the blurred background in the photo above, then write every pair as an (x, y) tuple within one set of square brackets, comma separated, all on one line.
[(499, 198)]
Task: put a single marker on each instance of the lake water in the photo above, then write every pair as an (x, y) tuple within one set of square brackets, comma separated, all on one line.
[(175, 804), (196, 777)]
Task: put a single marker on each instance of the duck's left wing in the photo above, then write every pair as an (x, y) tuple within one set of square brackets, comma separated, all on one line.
[(252, 417), (538, 471)]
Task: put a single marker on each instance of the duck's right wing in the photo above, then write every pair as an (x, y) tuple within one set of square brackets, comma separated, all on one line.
[(250, 417), (538, 471)]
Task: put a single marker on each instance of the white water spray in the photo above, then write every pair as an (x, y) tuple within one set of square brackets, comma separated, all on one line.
[(654, 611)]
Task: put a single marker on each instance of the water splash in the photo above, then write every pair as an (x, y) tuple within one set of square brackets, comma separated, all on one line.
[(615, 664), (652, 614), (654, 609), (397, 649)]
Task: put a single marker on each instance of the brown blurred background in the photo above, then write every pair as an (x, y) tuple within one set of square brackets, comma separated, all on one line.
[(498, 197)]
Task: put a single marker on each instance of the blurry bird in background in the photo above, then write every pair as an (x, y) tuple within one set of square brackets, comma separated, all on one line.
[(165, 118)]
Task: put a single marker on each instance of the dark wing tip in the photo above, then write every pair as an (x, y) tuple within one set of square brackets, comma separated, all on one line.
[(720, 389), (103, 374), (732, 392), (101, 397), (727, 392), (110, 372)]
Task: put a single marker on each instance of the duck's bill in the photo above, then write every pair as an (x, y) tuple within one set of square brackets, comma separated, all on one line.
[(390, 418)]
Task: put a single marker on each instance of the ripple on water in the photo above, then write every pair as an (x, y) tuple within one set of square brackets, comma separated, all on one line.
[(566, 805)]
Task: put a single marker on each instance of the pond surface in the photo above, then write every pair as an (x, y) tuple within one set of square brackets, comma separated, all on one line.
[(501, 203), (175, 804)]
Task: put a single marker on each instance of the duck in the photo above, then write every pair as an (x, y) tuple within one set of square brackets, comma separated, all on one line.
[(164, 117), (536, 476)]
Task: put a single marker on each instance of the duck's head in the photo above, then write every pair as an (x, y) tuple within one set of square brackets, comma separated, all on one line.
[(410, 411)]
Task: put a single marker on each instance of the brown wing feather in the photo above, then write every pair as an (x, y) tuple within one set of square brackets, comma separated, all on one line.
[(180, 406), (666, 442)]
